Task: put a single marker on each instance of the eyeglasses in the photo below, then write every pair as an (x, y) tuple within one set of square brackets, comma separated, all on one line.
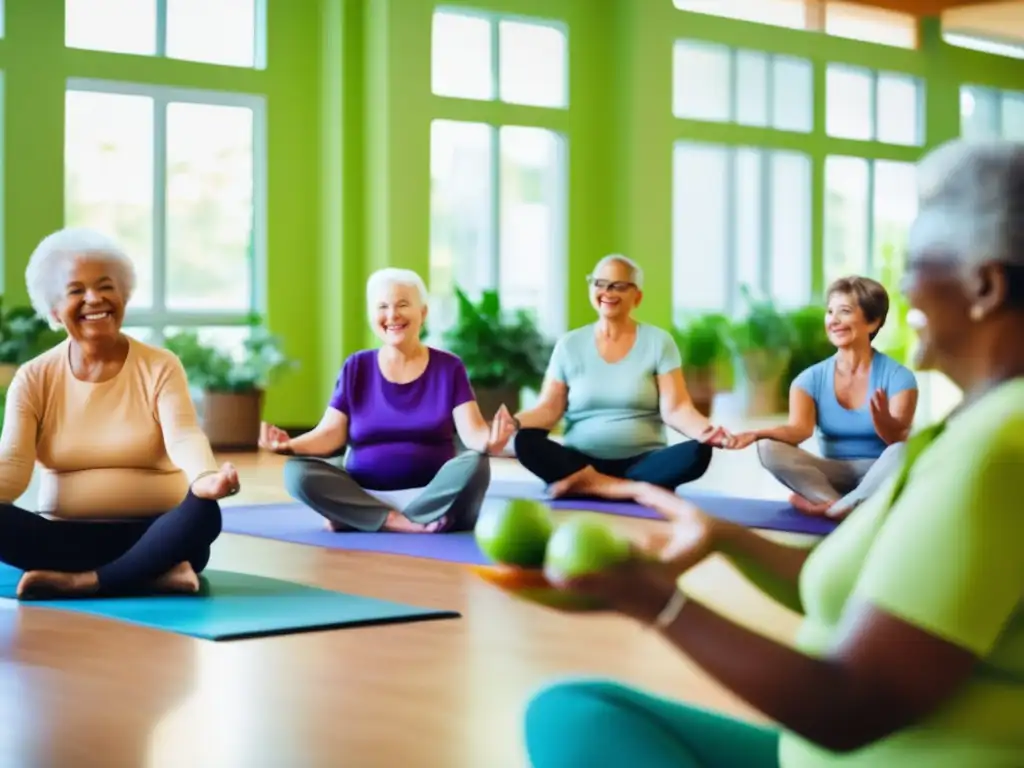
[(617, 286)]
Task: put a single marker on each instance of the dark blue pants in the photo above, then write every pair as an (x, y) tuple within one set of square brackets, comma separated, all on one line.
[(668, 467), (127, 555)]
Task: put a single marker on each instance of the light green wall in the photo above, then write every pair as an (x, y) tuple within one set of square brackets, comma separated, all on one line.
[(349, 111)]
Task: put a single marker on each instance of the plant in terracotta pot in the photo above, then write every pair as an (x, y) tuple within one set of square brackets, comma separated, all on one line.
[(702, 348), (761, 345), (231, 386), (504, 352), (23, 335)]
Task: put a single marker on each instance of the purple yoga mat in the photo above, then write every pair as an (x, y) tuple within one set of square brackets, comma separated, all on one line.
[(298, 524)]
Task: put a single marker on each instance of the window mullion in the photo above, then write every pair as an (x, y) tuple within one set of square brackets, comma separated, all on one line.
[(161, 28)]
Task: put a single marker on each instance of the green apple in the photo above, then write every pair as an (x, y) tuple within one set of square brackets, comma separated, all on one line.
[(583, 545), (516, 533)]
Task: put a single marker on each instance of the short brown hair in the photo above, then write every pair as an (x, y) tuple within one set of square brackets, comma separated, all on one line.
[(871, 297)]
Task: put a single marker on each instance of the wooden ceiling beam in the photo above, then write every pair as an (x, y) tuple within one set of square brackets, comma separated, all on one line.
[(922, 7)]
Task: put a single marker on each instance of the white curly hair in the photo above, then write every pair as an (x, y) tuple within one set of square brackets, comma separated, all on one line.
[(389, 276), (44, 276)]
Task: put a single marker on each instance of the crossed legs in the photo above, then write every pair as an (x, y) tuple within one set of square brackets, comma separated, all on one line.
[(450, 502)]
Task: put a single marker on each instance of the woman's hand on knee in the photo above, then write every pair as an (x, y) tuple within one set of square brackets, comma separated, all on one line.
[(217, 485)]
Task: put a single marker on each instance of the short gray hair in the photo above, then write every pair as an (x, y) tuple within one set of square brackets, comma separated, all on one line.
[(971, 202), (385, 278), (636, 273), (43, 273)]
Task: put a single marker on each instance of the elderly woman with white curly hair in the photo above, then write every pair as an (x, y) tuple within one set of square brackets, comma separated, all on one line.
[(390, 426), (130, 488), (911, 650)]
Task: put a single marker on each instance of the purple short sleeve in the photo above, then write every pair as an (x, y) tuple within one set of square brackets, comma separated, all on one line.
[(462, 390), (339, 398)]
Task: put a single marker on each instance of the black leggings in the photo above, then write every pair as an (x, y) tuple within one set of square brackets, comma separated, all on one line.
[(668, 467), (127, 555)]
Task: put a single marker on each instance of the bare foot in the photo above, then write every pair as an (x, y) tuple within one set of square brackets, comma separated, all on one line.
[(590, 482), (181, 578), (816, 509), (38, 585), (399, 523), (334, 527)]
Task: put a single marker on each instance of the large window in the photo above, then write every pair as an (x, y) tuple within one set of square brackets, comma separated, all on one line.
[(990, 113), (869, 207), (867, 105), (853, 20), (741, 216), (227, 32), (178, 177), (498, 214), (498, 192), (490, 58), (717, 83)]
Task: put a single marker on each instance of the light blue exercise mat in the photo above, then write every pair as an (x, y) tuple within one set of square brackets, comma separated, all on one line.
[(235, 606)]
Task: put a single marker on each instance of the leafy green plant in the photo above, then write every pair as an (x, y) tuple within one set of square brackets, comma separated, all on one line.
[(24, 334), (215, 370), (499, 349), (701, 340), (809, 343), (761, 340)]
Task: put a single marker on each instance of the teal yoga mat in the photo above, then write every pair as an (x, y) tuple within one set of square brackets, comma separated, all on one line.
[(236, 606)]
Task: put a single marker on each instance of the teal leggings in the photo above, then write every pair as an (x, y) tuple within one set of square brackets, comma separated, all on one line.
[(606, 725)]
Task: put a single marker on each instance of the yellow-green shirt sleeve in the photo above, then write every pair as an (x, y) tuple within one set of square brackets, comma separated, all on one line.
[(949, 558)]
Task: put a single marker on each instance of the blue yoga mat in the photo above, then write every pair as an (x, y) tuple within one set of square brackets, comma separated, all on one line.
[(235, 606)]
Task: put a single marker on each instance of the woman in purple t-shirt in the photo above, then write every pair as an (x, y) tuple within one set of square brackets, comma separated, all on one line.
[(391, 424)]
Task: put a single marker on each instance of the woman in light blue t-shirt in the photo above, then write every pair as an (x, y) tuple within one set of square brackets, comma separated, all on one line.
[(861, 401), (618, 384)]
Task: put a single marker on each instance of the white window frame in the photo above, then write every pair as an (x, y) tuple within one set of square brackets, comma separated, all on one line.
[(733, 302), (158, 317), (494, 19), (259, 50), (875, 75)]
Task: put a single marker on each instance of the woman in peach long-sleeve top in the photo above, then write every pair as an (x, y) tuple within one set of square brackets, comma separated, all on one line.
[(130, 487)]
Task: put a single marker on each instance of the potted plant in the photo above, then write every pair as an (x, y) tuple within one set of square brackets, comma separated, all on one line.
[(702, 349), (504, 353), (23, 335), (809, 344), (761, 347), (232, 387)]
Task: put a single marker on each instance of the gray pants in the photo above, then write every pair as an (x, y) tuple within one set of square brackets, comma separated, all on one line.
[(847, 482), (456, 493)]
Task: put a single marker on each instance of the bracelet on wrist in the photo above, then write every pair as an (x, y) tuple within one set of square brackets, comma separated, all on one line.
[(671, 611)]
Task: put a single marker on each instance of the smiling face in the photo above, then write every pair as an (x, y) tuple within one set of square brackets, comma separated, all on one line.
[(846, 323), (91, 306), (397, 314), (612, 291)]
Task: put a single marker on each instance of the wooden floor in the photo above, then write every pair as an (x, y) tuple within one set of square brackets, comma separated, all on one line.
[(82, 692)]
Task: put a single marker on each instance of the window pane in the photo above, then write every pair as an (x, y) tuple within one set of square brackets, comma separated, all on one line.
[(894, 208), (846, 217), (140, 333), (858, 21), (462, 197), (532, 256), (212, 31), (780, 13), (118, 26), (702, 81), (533, 64), (751, 88), (460, 57), (229, 339), (849, 103), (748, 196), (792, 94), (790, 229), (1013, 116), (108, 175), (979, 113), (209, 207), (982, 44), (700, 218), (899, 109)]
